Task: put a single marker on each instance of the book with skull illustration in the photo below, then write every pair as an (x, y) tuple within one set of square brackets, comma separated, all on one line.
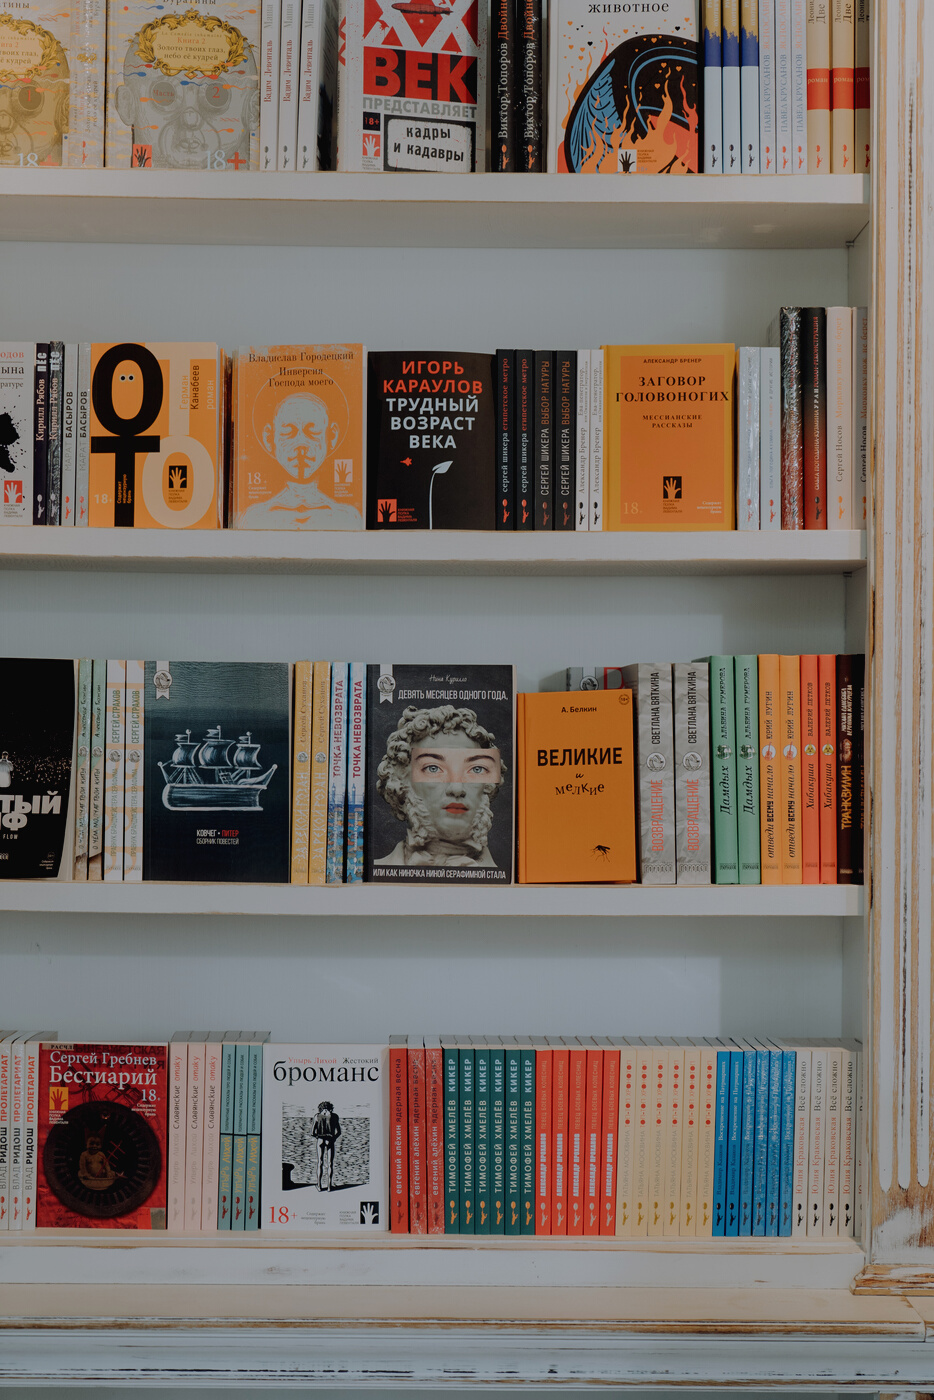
[(216, 771), (325, 1139), (440, 774), (298, 437), (430, 441), (183, 85), (37, 755), (412, 85), (623, 89), (102, 1125), (52, 95)]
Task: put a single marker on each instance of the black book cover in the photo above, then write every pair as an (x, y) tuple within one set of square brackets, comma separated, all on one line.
[(543, 415), (37, 734), (505, 371), (502, 85), (814, 415), (440, 774), (430, 441), (56, 392), (525, 486), (847, 828), (216, 786), (40, 469), (529, 85), (565, 438)]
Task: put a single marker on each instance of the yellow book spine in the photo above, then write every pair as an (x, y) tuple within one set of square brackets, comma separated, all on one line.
[(658, 1115), (301, 770), (674, 1141), (706, 1141), (790, 768), (628, 1084), (769, 797), (640, 1157), (690, 1136), (320, 738)]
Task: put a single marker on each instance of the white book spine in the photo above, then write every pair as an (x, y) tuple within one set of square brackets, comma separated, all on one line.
[(69, 433), (860, 414), (596, 439), (747, 439), (654, 769), (783, 96), (690, 1133), (82, 437), (660, 1109), (290, 34), (770, 440), (732, 121), (6, 1086), (832, 1143), (309, 81), (30, 1132), (640, 1148), (628, 1070), (134, 768), (194, 1137), (848, 1143), (799, 87), (212, 1136), (691, 700), (767, 160), (17, 1066), (270, 20), (178, 1102), (816, 1144), (706, 1144), (582, 517), (96, 773), (799, 1197), (674, 1139), (749, 87), (863, 1179), (713, 88), (840, 489), (17, 402), (83, 771), (114, 756)]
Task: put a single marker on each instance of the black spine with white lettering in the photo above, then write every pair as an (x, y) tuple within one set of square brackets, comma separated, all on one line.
[(529, 85), (504, 385), (40, 468), (525, 374), (543, 439), (54, 452), (502, 86), (565, 438)]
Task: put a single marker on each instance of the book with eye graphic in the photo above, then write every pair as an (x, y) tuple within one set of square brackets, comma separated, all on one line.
[(439, 774), (53, 61), (183, 85), (299, 424)]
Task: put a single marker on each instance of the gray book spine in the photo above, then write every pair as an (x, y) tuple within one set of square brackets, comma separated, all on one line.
[(692, 772), (650, 683)]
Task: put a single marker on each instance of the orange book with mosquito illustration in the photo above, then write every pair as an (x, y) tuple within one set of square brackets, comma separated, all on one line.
[(668, 451)]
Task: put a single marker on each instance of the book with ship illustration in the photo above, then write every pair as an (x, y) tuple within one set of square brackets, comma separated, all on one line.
[(37, 743), (217, 771)]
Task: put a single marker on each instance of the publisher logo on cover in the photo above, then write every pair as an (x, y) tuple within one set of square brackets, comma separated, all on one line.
[(385, 511), (12, 493)]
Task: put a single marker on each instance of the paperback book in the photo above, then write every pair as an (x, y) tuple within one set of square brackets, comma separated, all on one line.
[(37, 743)]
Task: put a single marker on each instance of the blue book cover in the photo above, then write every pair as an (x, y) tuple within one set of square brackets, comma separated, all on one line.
[(787, 1165), (720, 1142), (749, 1140), (356, 772), (773, 1167), (337, 772), (734, 1143), (762, 1142)]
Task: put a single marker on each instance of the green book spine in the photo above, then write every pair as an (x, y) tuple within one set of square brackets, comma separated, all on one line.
[(482, 1136), (251, 1212), (241, 1087), (452, 1202), (527, 1145), (513, 1143), (224, 1181), (238, 1191), (228, 1077), (747, 768), (723, 771), (254, 1101), (497, 1140), (466, 1141)]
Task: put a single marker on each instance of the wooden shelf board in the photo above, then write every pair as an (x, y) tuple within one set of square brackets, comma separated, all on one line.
[(528, 211), (454, 552)]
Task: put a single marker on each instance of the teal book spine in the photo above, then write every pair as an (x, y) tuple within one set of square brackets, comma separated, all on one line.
[(759, 1187), (527, 1145), (225, 1158), (254, 1127), (747, 768), (497, 1140), (723, 770), (482, 1136), (452, 1199), (241, 1088), (747, 1163), (238, 1192), (512, 1225), (734, 1144), (466, 1140)]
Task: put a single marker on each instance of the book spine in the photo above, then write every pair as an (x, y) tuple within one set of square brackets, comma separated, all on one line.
[(301, 769), (789, 786), (846, 771), (692, 1091), (774, 1156), (843, 99), (559, 1120), (564, 439), (582, 449), (178, 1102), (40, 450), (271, 20), (859, 784), (674, 1137), (134, 769), (734, 1152), (82, 770), (529, 42), (527, 1142), (748, 1154), (723, 770), (654, 766), (69, 432), (82, 438), (320, 732), (398, 1144), (787, 1162), (503, 85), (761, 1155), (225, 1154), (862, 144), (213, 1051), (839, 426), (84, 138), (56, 372), (860, 401), (356, 773), (593, 1141), (238, 1183), (816, 1143), (452, 1214), (792, 420), (799, 86), (639, 1211), (732, 128), (114, 745), (747, 438), (466, 1139), (628, 1093), (847, 1176), (194, 1136), (863, 1183), (596, 439), (17, 1067), (810, 771), (713, 88), (6, 1095), (337, 772), (610, 1124), (96, 770), (577, 1110), (525, 483), (692, 772), (783, 133), (544, 1092), (818, 86), (497, 1139), (827, 766), (802, 1133), (289, 42), (746, 679), (706, 1144), (417, 1212), (814, 415), (770, 439), (254, 1160), (749, 85), (311, 39), (30, 1132), (543, 482), (482, 1162), (505, 422), (434, 1138), (513, 1142), (769, 800), (721, 1141), (832, 1143), (767, 154)]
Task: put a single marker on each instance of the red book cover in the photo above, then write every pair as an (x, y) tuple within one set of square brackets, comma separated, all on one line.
[(544, 1141), (593, 1141), (418, 1213), (577, 1123), (559, 1129), (398, 1135), (434, 1136), (610, 1141), (103, 1115), (810, 772)]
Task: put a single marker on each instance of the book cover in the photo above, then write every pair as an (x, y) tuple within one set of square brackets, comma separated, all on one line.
[(17, 408), (356, 773), (559, 1130), (497, 1137), (732, 100), (789, 782), (747, 438), (748, 1154), (320, 732), (749, 57), (502, 81), (841, 491), (37, 743), (761, 1159), (832, 1143), (418, 1200), (527, 1136), (564, 439), (767, 83), (505, 430), (577, 1123), (183, 86), (226, 1127), (482, 1137), (324, 1151), (847, 817), (524, 456), (814, 415), (810, 771), (746, 678), (801, 1139), (793, 492), (818, 86), (301, 769), (849, 1079), (713, 87), (434, 1134), (691, 698), (290, 24), (439, 773), (816, 1142), (39, 51), (299, 432), (216, 784), (337, 771), (721, 1141), (859, 783), (783, 135), (399, 1205), (769, 768), (843, 96), (543, 439), (530, 114), (156, 451), (582, 445), (654, 762), (669, 437), (6, 1105), (270, 25), (787, 1161), (82, 434), (17, 1113), (102, 1136), (723, 770)]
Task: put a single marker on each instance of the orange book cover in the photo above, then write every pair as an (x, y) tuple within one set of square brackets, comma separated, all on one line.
[(827, 685), (609, 1155), (418, 1196), (559, 1129), (544, 1142), (577, 800), (668, 437), (577, 1123), (299, 434), (593, 1141), (810, 772), (156, 446), (789, 785), (769, 801)]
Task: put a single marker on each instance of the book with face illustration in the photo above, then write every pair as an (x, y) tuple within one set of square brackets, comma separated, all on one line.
[(440, 774)]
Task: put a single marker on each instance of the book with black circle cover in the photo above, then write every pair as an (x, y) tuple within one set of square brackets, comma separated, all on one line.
[(37, 741)]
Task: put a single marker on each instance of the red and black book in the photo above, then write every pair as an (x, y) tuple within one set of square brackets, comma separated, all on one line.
[(529, 85), (792, 420), (565, 438), (814, 415), (524, 457), (543, 439), (504, 384), (40, 451), (502, 85), (847, 820)]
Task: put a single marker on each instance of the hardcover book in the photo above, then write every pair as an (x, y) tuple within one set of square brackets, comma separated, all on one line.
[(440, 774), (216, 763), (37, 743)]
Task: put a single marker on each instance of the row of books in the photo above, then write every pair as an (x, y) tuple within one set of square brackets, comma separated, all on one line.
[(625, 1137), (323, 437)]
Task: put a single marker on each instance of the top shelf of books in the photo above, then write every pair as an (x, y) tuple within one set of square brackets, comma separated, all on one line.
[(432, 210)]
